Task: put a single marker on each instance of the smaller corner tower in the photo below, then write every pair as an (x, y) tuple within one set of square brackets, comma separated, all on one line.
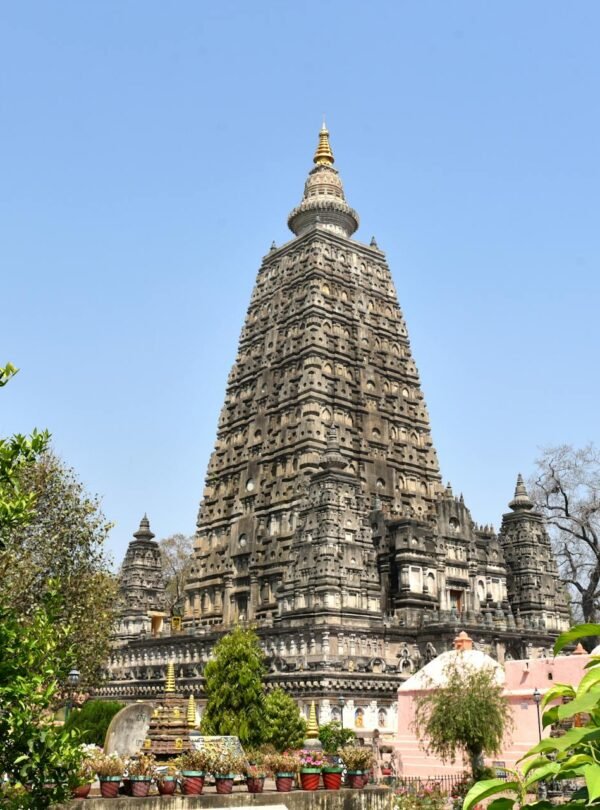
[(534, 588), (141, 586)]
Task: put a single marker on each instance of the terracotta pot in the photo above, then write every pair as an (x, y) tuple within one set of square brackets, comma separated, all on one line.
[(166, 787), (224, 784), (255, 784), (355, 779), (109, 786), (332, 780), (284, 782), (192, 783), (310, 778), (140, 787), (81, 791)]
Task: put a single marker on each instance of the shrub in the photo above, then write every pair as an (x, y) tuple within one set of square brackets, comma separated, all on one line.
[(333, 736), (93, 720), (356, 758)]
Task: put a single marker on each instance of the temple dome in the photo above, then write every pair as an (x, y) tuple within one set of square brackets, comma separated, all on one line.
[(434, 673)]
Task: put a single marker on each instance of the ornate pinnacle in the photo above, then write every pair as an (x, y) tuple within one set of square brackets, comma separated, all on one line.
[(191, 712), (144, 533), (324, 155), (521, 499), (312, 726), (170, 682)]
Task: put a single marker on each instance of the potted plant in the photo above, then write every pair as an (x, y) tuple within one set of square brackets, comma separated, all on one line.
[(283, 767), (166, 778), (81, 786), (311, 762), (193, 765), (358, 762), (255, 771), (109, 769), (141, 770), (332, 773), (224, 767)]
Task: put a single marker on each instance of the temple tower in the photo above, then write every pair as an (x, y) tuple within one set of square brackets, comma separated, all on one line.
[(535, 591), (141, 586), (324, 344)]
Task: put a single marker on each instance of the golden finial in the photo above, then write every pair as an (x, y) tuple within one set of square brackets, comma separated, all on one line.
[(312, 727), (324, 155), (191, 712), (170, 683)]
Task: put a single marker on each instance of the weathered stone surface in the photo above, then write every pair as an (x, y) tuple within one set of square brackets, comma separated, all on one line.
[(128, 729)]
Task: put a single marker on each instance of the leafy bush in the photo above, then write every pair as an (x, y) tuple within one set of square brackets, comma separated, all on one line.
[(93, 719), (573, 756), (426, 798), (333, 736), (284, 726)]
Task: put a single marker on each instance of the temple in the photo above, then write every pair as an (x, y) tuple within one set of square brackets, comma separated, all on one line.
[(324, 520)]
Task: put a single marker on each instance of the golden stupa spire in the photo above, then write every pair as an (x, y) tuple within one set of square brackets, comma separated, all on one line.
[(324, 155), (191, 712), (312, 727), (170, 683)]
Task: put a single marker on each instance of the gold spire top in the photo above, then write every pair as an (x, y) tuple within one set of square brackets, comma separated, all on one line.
[(312, 727), (324, 155), (170, 683), (191, 712)]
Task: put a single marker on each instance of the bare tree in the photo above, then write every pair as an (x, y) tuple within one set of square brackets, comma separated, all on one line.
[(176, 552), (567, 491)]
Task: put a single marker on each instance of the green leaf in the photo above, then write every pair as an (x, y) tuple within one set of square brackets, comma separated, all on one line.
[(582, 703), (592, 780), (488, 787), (550, 716), (574, 634), (559, 690), (541, 773), (589, 680), (503, 803)]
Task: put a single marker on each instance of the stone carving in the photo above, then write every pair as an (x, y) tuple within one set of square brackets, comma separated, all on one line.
[(128, 729)]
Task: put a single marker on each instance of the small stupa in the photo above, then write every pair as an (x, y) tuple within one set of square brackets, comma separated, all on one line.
[(312, 730), (169, 731)]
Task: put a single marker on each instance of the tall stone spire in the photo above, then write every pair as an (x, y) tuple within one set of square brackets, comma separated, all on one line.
[(324, 203), (521, 501)]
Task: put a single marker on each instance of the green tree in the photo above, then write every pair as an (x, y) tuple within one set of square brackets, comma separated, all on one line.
[(16, 506), (235, 699), (285, 728), (574, 755), (34, 661), (466, 714), (333, 736), (93, 719), (62, 541)]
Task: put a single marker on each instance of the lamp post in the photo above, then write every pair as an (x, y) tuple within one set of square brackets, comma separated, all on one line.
[(342, 703), (537, 699), (73, 681)]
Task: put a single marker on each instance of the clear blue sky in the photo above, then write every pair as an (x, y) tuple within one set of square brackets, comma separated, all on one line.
[(151, 152)]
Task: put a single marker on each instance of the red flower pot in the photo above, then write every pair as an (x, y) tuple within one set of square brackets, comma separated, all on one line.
[(332, 780), (255, 784), (355, 779), (224, 784), (166, 787), (140, 787), (310, 780), (192, 783), (109, 787), (284, 782), (81, 791)]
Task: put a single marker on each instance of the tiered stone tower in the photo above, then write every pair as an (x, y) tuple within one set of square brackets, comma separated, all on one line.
[(141, 586), (324, 520)]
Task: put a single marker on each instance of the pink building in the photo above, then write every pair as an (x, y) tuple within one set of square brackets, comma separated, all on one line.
[(520, 678)]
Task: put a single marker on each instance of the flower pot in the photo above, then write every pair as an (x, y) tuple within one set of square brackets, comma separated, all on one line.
[(109, 786), (284, 782), (310, 778), (81, 791), (127, 787), (332, 780), (255, 784), (166, 786), (192, 782), (224, 782), (140, 785), (355, 779)]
